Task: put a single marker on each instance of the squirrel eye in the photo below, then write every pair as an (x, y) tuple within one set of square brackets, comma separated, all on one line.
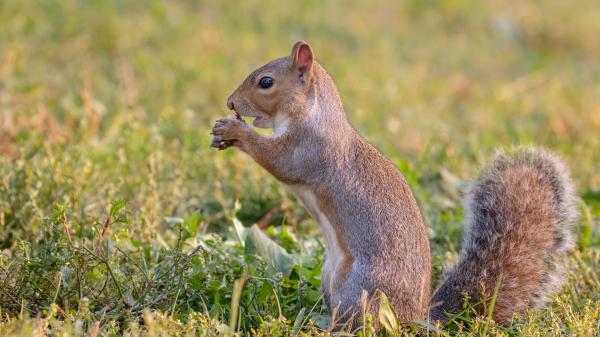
[(266, 82)]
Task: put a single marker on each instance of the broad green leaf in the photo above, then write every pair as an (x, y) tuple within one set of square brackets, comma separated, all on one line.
[(191, 224), (298, 321), (240, 230), (260, 244), (387, 315)]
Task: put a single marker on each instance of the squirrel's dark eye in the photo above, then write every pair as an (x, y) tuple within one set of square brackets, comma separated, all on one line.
[(266, 82)]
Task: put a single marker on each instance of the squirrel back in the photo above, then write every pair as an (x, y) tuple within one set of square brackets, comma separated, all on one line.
[(519, 213)]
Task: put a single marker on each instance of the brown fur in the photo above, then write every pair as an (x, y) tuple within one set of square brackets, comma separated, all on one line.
[(520, 213), (375, 236)]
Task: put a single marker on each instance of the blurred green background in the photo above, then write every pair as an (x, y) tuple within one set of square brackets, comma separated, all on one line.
[(435, 83), (114, 100)]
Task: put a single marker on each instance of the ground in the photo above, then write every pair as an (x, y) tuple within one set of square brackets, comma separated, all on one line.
[(117, 218)]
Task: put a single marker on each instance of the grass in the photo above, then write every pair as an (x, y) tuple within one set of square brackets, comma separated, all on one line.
[(117, 218)]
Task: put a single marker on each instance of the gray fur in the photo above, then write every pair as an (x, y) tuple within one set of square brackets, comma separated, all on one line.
[(482, 256)]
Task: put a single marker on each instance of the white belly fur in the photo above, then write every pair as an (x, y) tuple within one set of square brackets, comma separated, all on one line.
[(334, 251)]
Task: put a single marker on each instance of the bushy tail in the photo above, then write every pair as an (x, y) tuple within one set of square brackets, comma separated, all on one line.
[(520, 212)]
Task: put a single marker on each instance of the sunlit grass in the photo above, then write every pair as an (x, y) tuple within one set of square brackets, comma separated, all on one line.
[(108, 105)]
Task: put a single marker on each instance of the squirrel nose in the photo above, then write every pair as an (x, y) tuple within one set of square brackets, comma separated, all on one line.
[(230, 103)]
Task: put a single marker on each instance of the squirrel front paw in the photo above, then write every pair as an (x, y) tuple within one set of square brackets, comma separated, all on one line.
[(221, 144), (228, 132)]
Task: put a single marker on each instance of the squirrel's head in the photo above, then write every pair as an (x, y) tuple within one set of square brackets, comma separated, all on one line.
[(277, 90)]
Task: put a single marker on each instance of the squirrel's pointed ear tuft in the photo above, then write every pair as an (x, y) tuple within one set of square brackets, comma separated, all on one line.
[(303, 59)]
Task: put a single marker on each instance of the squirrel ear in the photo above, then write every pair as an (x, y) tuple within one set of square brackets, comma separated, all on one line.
[(303, 60)]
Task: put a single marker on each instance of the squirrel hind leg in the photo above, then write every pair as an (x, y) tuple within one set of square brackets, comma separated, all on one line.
[(520, 212)]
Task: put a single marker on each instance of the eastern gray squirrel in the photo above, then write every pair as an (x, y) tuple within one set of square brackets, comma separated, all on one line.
[(520, 209)]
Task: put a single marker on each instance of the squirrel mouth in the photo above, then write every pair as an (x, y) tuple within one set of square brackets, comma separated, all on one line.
[(261, 120)]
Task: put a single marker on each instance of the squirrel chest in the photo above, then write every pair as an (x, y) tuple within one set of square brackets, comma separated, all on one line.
[(335, 253)]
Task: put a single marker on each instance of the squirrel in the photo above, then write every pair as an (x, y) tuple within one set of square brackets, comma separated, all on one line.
[(520, 209)]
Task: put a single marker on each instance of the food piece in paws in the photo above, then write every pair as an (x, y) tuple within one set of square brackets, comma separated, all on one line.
[(220, 144)]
